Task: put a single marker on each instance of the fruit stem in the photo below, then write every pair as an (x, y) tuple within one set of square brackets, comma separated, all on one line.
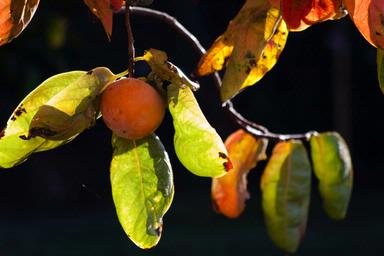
[(131, 45)]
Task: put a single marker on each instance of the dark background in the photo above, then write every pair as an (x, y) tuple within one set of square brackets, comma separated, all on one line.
[(59, 202)]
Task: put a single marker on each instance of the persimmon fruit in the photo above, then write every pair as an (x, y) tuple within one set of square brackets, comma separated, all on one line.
[(131, 108)]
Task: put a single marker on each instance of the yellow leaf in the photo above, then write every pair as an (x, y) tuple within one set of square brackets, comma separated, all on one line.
[(165, 70), (260, 42), (215, 58), (269, 57), (252, 44)]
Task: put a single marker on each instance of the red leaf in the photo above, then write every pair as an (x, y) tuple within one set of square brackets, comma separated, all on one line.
[(300, 14), (117, 4), (102, 9), (15, 15)]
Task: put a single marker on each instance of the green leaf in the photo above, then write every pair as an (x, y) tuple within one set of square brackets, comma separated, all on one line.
[(198, 146), (142, 187), (14, 149), (286, 184), (333, 167), (73, 109), (380, 68)]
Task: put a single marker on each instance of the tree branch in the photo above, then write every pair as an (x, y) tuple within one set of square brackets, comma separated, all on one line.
[(131, 45), (251, 127)]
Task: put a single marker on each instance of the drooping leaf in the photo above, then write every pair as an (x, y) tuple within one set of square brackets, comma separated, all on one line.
[(300, 14), (15, 16), (380, 68), (229, 192), (142, 187), (285, 185), (333, 167), (368, 16), (252, 44), (165, 70), (198, 146), (102, 9), (249, 62), (13, 147), (73, 109)]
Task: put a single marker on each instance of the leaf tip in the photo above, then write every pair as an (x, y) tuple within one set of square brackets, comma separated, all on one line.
[(228, 164)]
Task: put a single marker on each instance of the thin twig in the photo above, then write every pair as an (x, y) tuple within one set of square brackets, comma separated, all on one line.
[(251, 127), (131, 45)]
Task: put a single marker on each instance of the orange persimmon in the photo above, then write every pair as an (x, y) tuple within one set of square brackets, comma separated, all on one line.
[(131, 108)]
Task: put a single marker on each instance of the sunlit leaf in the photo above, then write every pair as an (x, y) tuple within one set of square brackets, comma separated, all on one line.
[(246, 65), (15, 16), (198, 146), (102, 9), (285, 185), (300, 14), (269, 57), (13, 147), (380, 68), (165, 70), (229, 192), (368, 16), (333, 167), (142, 187), (73, 109), (216, 56), (252, 44)]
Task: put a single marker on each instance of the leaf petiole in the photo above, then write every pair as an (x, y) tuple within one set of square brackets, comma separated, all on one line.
[(120, 75)]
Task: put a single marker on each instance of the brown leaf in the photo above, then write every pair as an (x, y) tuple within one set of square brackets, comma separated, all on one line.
[(229, 192), (15, 15), (102, 9)]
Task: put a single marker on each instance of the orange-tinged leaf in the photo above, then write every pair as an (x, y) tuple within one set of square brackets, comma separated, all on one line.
[(376, 22), (368, 16), (229, 192), (293, 12), (102, 9), (300, 14), (216, 56), (15, 15), (255, 31), (117, 4)]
